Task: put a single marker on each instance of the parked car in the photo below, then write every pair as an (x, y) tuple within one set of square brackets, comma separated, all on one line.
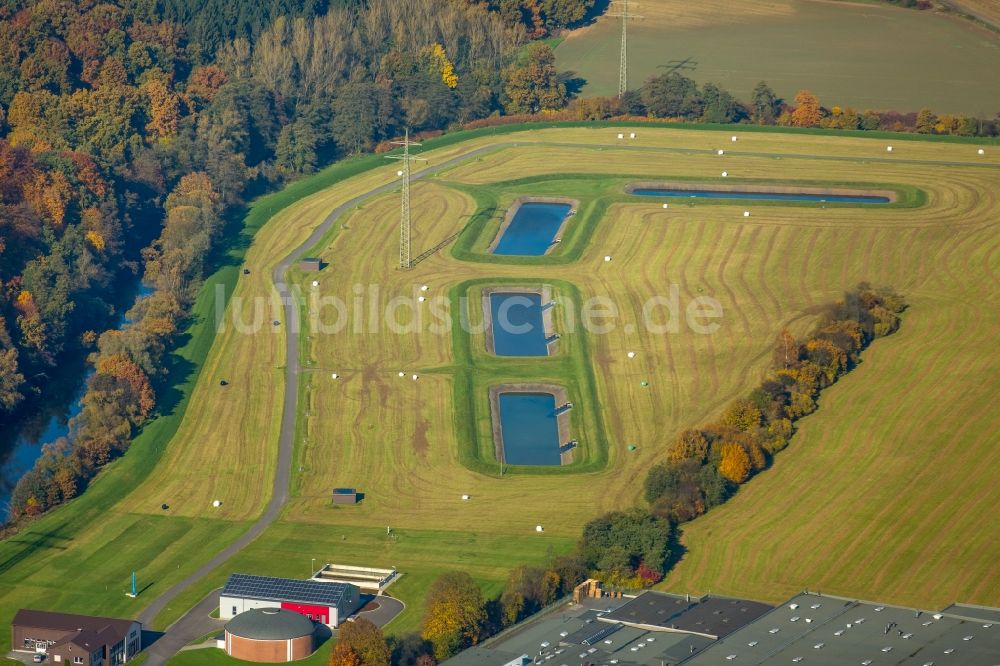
[(37, 658)]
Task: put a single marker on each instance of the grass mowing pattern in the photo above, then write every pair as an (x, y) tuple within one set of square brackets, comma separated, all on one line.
[(768, 272)]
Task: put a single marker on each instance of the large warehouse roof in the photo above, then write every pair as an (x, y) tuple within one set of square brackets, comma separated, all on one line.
[(270, 624), (266, 588), (831, 631), (713, 617)]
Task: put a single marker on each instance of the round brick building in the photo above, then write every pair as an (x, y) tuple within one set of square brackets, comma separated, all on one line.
[(269, 635)]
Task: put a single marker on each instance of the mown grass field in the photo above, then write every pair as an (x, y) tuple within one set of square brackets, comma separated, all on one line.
[(395, 438), (836, 49), (891, 457), (983, 10)]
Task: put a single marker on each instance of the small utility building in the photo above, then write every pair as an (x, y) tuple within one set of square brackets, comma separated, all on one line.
[(345, 496), (326, 603), (310, 264)]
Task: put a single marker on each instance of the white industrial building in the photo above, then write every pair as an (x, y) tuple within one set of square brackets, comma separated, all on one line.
[(325, 603)]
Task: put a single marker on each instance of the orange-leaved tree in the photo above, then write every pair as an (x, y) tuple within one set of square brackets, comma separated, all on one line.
[(122, 367), (343, 655), (807, 112)]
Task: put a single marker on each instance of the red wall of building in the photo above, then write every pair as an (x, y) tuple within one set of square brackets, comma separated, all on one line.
[(319, 613)]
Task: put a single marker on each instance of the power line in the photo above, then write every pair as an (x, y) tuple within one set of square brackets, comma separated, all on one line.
[(624, 14), (404, 219)]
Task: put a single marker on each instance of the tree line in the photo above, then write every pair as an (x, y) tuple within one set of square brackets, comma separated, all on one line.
[(632, 549), (627, 549), (704, 466), (675, 97), (124, 141)]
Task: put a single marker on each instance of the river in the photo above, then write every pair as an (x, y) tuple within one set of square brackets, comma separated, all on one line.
[(21, 444)]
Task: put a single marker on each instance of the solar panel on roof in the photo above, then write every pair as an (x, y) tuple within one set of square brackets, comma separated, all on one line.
[(601, 634), (284, 589)]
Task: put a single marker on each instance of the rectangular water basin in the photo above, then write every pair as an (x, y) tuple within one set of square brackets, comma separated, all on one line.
[(517, 326), (532, 230), (766, 196), (529, 429)]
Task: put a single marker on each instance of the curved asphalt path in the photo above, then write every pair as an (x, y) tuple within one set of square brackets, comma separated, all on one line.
[(180, 633), (195, 622)]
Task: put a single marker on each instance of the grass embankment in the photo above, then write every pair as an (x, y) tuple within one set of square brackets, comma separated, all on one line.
[(215, 657), (837, 50), (396, 440)]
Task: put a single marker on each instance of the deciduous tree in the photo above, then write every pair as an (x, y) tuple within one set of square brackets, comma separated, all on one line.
[(672, 95), (366, 640), (455, 614), (734, 463), (534, 86), (10, 380), (343, 655), (926, 121), (807, 111), (742, 415)]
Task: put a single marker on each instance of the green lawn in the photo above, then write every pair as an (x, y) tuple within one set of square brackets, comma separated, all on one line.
[(217, 657), (59, 567), (924, 410), (287, 549)]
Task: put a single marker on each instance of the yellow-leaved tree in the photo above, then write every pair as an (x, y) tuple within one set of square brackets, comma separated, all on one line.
[(689, 445), (734, 463), (443, 65), (455, 614)]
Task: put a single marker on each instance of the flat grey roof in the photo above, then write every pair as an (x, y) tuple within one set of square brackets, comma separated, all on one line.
[(718, 616), (829, 631), (974, 612), (652, 609), (478, 656), (564, 634), (710, 616)]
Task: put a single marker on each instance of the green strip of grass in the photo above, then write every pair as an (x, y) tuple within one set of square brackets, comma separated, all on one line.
[(477, 370), (596, 193)]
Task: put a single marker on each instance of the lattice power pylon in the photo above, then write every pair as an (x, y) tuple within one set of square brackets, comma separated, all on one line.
[(625, 16), (405, 263)]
